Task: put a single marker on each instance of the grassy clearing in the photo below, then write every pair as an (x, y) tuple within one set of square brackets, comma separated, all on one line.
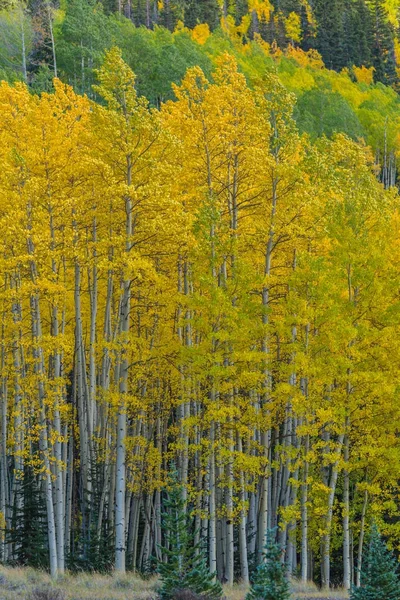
[(29, 584), (310, 591)]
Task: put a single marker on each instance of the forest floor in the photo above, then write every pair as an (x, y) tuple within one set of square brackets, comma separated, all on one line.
[(30, 584)]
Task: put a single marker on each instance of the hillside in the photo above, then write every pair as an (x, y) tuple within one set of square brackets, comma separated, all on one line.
[(39, 41)]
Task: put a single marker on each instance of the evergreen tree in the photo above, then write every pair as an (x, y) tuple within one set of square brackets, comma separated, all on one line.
[(274, 30), (241, 9), (185, 567), (383, 52), (379, 578), (28, 534), (142, 12), (330, 39), (207, 11), (308, 30), (92, 548), (357, 25), (270, 580), (171, 12)]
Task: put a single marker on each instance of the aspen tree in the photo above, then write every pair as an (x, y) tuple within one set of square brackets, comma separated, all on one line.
[(128, 153)]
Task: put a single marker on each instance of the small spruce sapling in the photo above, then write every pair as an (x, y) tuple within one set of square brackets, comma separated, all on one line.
[(379, 574), (185, 568), (270, 579)]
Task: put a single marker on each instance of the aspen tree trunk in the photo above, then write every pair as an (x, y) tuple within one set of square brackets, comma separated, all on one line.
[(292, 441), (51, 30), (23, 45), (103, 412), (44, 444), (229, 520), (213, 507), (60, 498), (134, 532), (304, 514), (346, 514), (188, 383), (284, 488), (185, 336), (111, 499), (227, 531), (361, 539), (59, 468), (69, 489), (252, 524), (146, 540), (205, 529), (212, 534), (120, 472), (4, 477), (221, 533), (82, 389), (275, 480), (106, 359), (200, 527), (265, 435), (102, 502), (38, 357), (201, 518), (244, 563), (326, 537), (292, 530), (157, 521), (93, 294), (347, 562), (304, 484), (254, 21), (17, 499), (148, 14), (234, 215)]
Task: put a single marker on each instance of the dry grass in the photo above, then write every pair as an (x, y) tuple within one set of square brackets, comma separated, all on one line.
[(237, 592), (300, 591), (310, 591), (28, 584)]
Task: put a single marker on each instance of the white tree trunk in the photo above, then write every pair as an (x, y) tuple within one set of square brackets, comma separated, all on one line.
[(361, 539), (346, 517)]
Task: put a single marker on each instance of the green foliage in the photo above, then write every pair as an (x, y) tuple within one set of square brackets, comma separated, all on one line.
[(16, 37), (270, 579), (321, 112), (379, 577), (158, 58), (184, 567), (86, 32)]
